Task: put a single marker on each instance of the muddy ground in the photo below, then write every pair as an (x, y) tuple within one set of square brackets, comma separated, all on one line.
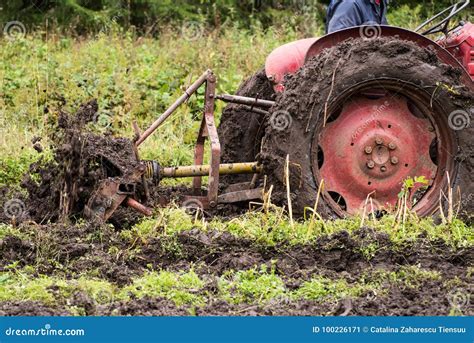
[(213, 253)]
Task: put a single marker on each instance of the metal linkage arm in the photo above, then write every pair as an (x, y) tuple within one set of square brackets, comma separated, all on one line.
[(187, 94), (245, 100)]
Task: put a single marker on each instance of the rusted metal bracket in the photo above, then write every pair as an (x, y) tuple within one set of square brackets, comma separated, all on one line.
[(239, 196), (137, 156), (208, 130), (111, 193)]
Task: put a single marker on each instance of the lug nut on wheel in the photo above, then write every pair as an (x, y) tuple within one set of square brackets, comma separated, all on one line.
[(368, 149), (394, 160), (383, 169), (371, 164), (392, 146), (379, 141)]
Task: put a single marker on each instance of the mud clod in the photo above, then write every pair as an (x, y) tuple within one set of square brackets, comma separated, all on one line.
[(59, 189)]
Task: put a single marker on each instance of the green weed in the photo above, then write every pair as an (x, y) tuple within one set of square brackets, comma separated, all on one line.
[(251, 286), (320, 288), (182, 288)]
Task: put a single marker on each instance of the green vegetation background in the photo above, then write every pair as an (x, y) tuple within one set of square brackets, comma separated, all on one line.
[(83, 16)]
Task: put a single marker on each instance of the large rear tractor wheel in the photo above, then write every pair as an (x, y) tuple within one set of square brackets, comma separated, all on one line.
[(363, 117), (241, 130)]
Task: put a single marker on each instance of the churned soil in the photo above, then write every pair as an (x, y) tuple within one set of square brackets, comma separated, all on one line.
[(58, 190), (211, 254)]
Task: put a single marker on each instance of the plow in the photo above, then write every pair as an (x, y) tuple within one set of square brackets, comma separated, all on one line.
[(355, 113), (113, 192)]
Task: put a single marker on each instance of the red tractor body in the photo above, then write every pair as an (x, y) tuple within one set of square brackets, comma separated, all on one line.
[(461, 45), (375, 149)]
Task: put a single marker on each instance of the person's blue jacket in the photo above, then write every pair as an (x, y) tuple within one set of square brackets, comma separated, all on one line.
[(343, 14)]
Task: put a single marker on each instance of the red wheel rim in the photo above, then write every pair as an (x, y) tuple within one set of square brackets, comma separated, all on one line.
[(378, 139)]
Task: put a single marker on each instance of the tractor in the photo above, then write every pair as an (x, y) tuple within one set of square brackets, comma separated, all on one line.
[(338, 123)]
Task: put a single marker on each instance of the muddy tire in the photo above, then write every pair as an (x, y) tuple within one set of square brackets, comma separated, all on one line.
[(320, 91), (241, 131)]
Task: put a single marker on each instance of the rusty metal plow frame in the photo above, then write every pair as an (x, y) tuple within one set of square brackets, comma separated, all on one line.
[(208, 130)]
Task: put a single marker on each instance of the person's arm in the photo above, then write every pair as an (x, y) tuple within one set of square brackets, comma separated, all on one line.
[(347, 14)]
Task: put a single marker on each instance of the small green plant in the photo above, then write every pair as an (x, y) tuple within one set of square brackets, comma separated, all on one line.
[(8, 230), (52, 290), (406, 197), (323, 289), (167, 222), (410, 276), (182, 288), (369, 250), (13, 168), (251, 286)]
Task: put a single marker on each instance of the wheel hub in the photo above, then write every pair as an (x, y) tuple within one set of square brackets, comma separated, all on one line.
[(371, 148), (381, 159)]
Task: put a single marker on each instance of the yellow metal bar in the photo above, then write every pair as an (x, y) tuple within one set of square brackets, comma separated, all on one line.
[(203, 170)]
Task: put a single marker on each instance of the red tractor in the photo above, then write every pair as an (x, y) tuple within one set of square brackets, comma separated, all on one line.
[(365, 109), (337, 121)]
